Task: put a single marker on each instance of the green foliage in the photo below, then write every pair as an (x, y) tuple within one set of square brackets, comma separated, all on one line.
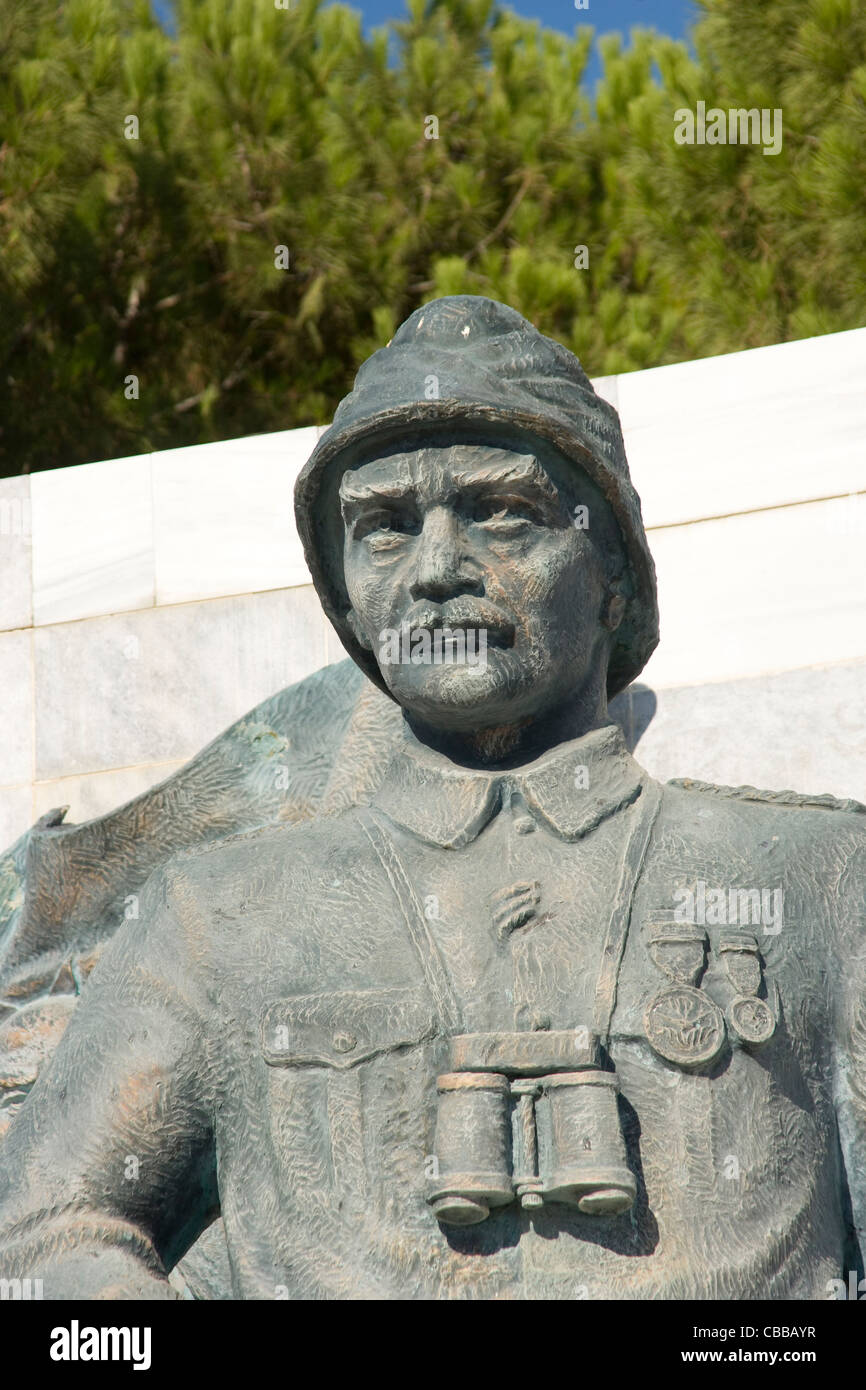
[(262, 128)]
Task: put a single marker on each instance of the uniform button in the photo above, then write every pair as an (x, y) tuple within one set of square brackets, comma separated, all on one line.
[(524, 825), (343, 1042)]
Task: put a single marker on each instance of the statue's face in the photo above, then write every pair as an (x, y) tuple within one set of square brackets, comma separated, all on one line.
[(484, 542)]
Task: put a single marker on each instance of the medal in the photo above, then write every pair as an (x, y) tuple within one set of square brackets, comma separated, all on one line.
[(681, 1023), (739, 952), (679, 951), (750, 1019)]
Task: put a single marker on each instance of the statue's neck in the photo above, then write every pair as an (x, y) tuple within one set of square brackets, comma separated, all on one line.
[(509, 745)]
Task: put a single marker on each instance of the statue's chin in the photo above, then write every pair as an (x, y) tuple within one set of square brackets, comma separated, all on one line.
[(463, 698)]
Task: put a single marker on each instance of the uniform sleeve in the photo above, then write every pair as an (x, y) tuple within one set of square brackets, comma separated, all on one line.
[(107, 1173)]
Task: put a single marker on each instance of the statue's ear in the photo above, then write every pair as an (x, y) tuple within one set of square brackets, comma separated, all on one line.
[(357, 631), (614, 611)]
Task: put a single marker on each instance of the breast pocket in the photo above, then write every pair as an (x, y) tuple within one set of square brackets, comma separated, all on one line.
[(341, 1029), (346, 1089)]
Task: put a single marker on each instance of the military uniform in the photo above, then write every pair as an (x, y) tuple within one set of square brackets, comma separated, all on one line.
[(309, 1029), (270, 1039)]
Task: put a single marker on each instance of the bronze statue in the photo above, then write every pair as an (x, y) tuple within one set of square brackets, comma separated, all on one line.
[(507, 1018)]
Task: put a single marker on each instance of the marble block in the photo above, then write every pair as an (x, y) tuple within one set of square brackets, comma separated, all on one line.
[(154, 686), (92, 540), (224, 520), (16, 528)]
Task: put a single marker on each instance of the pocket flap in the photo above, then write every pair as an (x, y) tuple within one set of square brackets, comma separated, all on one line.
[(343, 1028)]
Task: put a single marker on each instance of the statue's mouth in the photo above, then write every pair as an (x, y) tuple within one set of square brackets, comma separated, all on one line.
[(467, 615)]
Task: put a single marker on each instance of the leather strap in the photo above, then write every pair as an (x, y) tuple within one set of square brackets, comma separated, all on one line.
[(646, 811), (432, 961)]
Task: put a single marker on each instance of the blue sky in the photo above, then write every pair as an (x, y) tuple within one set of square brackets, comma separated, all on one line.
[(669, 16), (604, 16)]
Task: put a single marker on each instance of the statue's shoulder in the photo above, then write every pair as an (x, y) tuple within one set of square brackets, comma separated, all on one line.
[(819, 828), (274, 850), (788, 800), (321, 702), (321, 880)]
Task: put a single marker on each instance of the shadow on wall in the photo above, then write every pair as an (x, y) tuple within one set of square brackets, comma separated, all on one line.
[(633, 709)]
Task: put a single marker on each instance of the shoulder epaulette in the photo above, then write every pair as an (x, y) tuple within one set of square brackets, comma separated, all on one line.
[(822, 802)]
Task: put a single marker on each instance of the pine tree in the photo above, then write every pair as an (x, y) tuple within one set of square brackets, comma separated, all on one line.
[(203, 233)]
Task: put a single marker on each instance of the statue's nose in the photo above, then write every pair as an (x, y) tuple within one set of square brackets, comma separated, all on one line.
[(442, 567)]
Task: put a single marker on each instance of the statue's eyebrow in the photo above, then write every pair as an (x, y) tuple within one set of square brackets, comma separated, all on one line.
[(354, 491), (525, 471)]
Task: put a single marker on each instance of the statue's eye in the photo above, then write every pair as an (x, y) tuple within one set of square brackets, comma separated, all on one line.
[(503, 513), (387, 522)]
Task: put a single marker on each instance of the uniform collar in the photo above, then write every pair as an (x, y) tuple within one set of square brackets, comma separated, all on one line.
[(569, 791)]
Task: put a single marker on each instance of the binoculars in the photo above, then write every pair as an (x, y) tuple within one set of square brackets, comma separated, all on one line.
[(528, 1117)]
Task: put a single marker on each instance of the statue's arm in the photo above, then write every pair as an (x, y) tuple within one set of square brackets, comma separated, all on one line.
[(107, 1173)]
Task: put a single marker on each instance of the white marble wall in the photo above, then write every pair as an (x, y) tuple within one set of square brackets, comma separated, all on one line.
[(147, 602)]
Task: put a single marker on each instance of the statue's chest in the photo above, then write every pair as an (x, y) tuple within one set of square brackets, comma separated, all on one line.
[(688, 1165), (520, 918)]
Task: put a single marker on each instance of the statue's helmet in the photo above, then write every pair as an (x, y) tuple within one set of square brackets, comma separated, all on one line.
[(469, 367)]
